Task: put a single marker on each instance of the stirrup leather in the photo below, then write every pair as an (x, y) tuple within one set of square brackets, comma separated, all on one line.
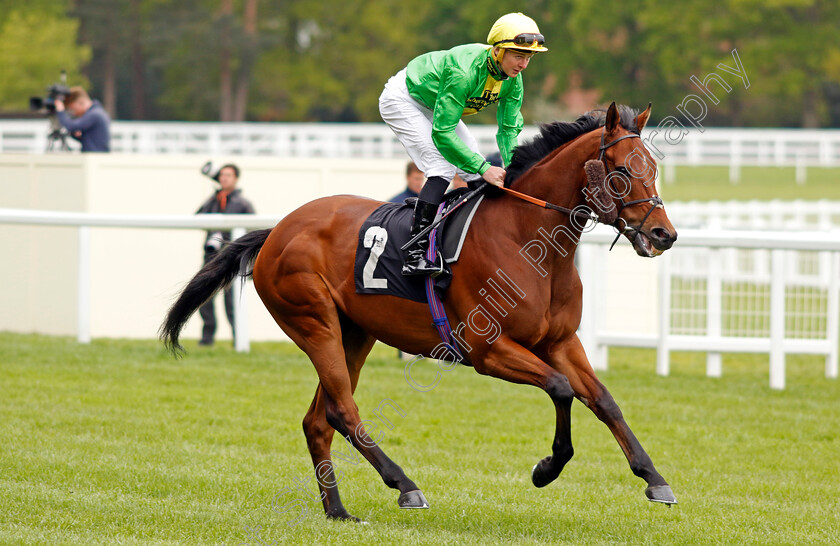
[(415, 262)]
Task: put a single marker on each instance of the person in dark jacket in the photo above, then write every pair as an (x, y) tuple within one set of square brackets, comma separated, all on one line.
[(413, 183), (228, 199), (90, 123)]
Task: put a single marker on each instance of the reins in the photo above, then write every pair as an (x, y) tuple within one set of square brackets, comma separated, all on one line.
[(551, 206), (654, 201)]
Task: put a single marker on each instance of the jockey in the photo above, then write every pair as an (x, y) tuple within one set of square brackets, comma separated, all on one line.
[(424, 102)]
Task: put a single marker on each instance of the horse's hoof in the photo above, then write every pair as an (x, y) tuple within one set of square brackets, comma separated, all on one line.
[(346, 516), (541, 478), (661, 493), (413, 499)]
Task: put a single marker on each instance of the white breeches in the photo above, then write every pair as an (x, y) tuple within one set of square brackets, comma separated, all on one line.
[(412, 123)]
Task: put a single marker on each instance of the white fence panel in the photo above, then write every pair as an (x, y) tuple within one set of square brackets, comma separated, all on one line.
[(707, 312), (707, 309), (713, 146)]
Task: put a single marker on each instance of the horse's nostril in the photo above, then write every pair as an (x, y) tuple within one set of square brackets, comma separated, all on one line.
[(661, 233)]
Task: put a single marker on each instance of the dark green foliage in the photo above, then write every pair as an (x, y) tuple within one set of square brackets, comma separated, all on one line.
[(328, 60)]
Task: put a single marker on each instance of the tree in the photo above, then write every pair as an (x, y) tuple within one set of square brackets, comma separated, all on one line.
[(783, 45), (36, 44), (300, 60), (238, 46), (114, 29), (333, 58)]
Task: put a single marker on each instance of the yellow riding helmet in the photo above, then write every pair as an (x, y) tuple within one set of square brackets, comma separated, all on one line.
[(516, 31)]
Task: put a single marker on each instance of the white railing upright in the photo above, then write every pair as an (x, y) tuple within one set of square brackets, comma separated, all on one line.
[(818, 333)]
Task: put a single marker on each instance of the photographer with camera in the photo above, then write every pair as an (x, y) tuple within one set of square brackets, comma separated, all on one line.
[(227, 200), (90, 123)]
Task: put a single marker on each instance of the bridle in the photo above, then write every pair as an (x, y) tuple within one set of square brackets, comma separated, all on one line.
[(654, 201)]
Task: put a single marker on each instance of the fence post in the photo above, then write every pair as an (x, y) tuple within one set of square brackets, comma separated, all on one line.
[(663, 348), (670, 172), (214, 140), (777, 320), (735, 161), (832, 318), (714, 311), (242, 343), (801, 169), (600, 257), (83, 292), (589, 318)]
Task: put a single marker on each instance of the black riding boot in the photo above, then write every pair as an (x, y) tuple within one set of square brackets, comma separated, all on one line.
[(415, 256)]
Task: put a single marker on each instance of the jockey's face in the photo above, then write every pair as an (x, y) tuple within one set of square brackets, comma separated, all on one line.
[(514, 62)]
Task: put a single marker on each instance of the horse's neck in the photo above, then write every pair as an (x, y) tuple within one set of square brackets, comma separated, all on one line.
[(558, 179)]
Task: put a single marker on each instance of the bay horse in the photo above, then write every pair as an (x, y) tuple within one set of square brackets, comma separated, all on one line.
[(303, 272)]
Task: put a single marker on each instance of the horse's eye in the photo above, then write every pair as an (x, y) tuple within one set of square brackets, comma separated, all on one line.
[(622, 169)]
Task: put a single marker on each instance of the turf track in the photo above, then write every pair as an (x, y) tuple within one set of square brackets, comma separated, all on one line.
[(116, 442)]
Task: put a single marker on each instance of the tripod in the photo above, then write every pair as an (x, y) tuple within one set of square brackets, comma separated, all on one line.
[(57, 134)]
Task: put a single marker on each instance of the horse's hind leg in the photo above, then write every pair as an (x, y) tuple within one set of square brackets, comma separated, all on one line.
[(317, 329), (570, 359), (319, 433), (319, 436)]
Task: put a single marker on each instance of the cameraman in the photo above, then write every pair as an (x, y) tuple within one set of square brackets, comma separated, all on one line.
[(227, 200), (90, 123)]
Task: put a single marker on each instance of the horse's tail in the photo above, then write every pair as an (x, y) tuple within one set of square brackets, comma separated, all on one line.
[(234, 259)]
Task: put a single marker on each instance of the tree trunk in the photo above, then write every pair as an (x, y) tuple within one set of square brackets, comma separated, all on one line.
[(246, 63), (811, 96), (810, 109), (225, 73), (138, 73), (109, 93)]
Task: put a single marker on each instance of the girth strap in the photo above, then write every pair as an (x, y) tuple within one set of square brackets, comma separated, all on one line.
[(439, 318)]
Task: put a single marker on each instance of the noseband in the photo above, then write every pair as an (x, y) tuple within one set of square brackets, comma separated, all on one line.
[(654, 201)]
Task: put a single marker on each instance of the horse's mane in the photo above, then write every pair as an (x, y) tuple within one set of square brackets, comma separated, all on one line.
[(554, 135)]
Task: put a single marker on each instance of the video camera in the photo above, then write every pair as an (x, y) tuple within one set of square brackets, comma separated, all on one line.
[(210, 171), (57, 91)]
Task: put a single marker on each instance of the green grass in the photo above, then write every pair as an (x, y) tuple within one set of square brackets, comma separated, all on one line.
[(117, 443), (761, 183)]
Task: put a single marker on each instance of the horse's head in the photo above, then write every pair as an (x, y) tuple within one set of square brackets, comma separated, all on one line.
[(622, 186)]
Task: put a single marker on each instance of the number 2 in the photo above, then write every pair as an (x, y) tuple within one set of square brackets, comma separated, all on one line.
[(375, 239)]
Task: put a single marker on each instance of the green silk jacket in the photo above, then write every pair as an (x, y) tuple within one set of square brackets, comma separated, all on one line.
[(462, 81)]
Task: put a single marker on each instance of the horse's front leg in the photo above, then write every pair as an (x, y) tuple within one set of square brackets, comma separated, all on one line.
[(570, 359), (547, 470), (510, 361)]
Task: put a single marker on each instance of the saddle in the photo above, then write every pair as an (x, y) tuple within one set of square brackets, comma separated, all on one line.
[(379, 258)]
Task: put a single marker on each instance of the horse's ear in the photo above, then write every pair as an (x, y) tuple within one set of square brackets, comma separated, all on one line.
[(613, 119), (642, 119)]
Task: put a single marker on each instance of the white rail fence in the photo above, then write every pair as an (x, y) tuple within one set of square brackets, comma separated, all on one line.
[(238, 224), (714, 146), (705, 309), (740, 265), (799, 215), (708, 309)]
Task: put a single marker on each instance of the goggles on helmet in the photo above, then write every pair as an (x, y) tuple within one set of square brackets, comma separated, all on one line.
[(524, 39)]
